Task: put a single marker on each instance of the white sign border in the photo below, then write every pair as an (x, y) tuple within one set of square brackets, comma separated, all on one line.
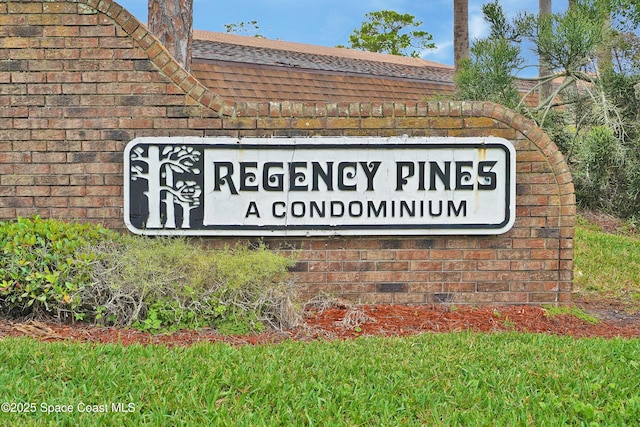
[(364, 230)]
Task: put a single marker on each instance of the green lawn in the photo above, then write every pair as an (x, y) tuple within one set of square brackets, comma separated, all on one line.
[(436, 379), (607, 265)]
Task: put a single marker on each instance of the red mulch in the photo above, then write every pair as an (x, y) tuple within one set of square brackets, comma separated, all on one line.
[(346, 321)]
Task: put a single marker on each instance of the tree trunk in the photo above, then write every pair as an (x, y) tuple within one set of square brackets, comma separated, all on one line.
[(172, 22), (544, 68), (460, 31), (603, 54)]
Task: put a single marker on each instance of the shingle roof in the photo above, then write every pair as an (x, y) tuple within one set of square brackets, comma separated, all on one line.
[(255, 69)]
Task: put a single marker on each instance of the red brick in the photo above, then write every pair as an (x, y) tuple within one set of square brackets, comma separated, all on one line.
[(425, 287), (378, 255), (445, 277), (412, 276), (459, 265), (479, 254), (33, 191), (6, 191), (474, 298), (101, 213), (68, 191), (446, 254), (377, 276), (71, 214), (374, 298), (343, 277), (31, 211), (412, 298), (541, 297), (309, 277), (125, 123), (358, 288), (34, 169), (426, 265), (510, 297), (446, 123), (417, 254), (51, 179), (529, 243), (359, 266), (545, 254), (51, 202), (104, 191), (13, 180), (24, 8), (527, 265), (91, 180), (86, 202), (493, 287), (460, 287), (324, 266), (513, 254), (494, 265), (327, 288), (392, 266), (480, 276), (345, 255), (312, 255)]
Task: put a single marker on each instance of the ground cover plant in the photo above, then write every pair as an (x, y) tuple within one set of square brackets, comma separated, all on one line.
[(607, 265)]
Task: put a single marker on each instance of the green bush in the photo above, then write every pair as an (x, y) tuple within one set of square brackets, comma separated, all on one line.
[(70, 271), (160, 284), (606, 173), (42, 268)]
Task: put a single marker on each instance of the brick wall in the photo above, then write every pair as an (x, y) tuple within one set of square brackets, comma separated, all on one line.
[(81, 78)]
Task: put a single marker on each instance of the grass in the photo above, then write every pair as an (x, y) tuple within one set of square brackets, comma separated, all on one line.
[(552, 311), (607, 265), (437, 379)]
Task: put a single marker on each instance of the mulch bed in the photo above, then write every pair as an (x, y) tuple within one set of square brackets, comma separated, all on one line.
[(345, 321)]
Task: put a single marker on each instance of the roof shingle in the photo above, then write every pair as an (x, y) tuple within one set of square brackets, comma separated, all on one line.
[(252, 69)]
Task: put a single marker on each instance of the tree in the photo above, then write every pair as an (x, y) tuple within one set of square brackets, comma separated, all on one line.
[(172, 22), (387, 31), (622, 18), (488, 74), (568, 44), (460, 31), (597, 127), (159, 169), (544, 10), (249, 28)]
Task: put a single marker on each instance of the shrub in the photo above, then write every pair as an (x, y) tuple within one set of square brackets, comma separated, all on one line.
[(606, 173), (41, 267), (162, 284), (71, 271)]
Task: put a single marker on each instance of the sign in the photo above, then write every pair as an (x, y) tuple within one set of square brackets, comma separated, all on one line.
[(319, 186)]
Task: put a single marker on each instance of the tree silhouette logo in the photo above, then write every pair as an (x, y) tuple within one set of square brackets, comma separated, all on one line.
[(170, 192)]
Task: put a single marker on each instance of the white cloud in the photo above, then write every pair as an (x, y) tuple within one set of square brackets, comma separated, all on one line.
[(443, 53), (478, 27)]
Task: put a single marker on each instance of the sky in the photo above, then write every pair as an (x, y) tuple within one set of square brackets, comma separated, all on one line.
[(330, 22)]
